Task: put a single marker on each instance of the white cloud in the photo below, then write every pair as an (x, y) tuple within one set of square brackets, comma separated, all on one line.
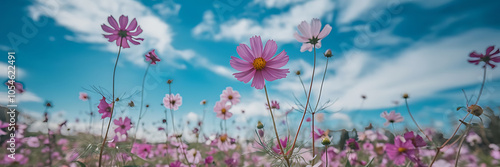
[(351, 10), (276, 3), (5, 48), (85, 18), (192, 117), (422, 70), (346, 120), (20, 73), (167, 8), (24, 97), (279, 27)]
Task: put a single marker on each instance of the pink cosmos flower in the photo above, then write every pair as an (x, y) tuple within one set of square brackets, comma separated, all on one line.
[(123, 125), (33, 142), (121, 33), (308, 119), (318, 134), (104, 108), (141, 150), (259, 64), (351, 143), (274, 105), (172, 102), (84, 96), (311, 35), (399, 150), (17, 86), (391, 117), (222, 110), (209, 160), (152, 57), (485, 58), (417, 141), (230, 95), (193, 156), (283, 143)]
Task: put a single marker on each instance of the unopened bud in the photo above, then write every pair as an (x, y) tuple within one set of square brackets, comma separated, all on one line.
[(297, 72), (325, 141), (475, 110), (328, 53), (405, 96), (169, 81), (260, 125)]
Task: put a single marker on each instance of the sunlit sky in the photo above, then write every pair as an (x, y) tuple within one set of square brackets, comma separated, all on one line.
[(381, 49)]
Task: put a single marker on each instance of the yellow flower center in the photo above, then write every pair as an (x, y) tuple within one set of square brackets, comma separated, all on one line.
[(259, 63), (230, 97), (223, 111), (223, 138), (401, 149)]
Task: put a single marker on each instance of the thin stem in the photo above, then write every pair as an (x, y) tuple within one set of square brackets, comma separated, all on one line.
[(113, 104), (274, 124), (326, 155), (420, 129), (91, 116), (321, 87), (202, 120), (307, 103), (462, 142), (444, 144), (142, 103), (482, 85), (304, 87), (313, 147)]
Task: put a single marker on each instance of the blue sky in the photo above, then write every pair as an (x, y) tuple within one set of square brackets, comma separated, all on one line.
[(382, 49)]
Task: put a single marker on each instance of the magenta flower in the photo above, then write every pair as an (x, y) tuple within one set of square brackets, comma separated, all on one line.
[(84, 96), (230, 95), (141, 150), (351, 143), (121, 33), (311, 35), (222, 110), (209, 160), (399, 150), (172, 102), (104, 108), (274, 105), (32, 142), (283, 143), (152, 57), (259, 64), (123, 125), (417, 141), (485, 58), (317, 135), (391, 117), (16, 86)]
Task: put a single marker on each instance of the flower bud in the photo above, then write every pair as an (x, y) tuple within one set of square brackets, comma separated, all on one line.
[(325, 141), (131, 104), (169, 81), (405, 96), (260, 125), (475, 110), (328, 53), (297, 72)]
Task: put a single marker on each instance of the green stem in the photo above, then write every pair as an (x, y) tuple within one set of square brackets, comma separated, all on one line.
[(482, 85), (113, 104), (274, 125)]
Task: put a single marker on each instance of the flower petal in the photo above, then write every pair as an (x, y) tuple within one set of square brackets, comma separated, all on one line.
[(112, 37), (300, 38), (489, 49), (132, 25), (495, 59), (256, 44), (475, 54), (279, 61), (136, 32), (123, 22), (240, 64), (326, 30), (305, 29), (112, 22), (269, 50), (125, 43), (132, 40), (245, 52), (272, 74), (306, 46), (315, 27), (245, 76), (258, 80), (108, 29)]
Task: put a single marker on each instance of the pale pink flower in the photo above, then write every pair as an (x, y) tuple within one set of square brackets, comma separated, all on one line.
[(222, 110), (311, 35), (391, 117), (172, 102), (121, 33), (259, 63), (193, 156), (84, 96), (230, 95), (33, 142)]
